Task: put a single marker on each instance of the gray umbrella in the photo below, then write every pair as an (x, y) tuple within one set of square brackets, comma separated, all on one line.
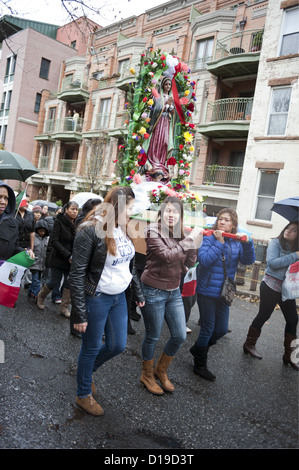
[(15, 167)]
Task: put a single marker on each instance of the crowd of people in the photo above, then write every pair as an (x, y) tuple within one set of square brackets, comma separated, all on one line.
[(90, 259)]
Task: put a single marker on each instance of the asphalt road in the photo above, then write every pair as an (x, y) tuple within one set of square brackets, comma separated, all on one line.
[(251, 405)]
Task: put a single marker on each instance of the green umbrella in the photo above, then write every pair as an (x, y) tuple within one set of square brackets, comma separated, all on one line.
[(15, 167)]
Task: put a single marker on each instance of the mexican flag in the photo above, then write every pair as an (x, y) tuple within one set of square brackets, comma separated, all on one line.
[(189, 286), (11, 273), (21, 199)]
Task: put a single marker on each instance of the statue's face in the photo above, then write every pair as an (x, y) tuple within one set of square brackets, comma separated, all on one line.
[(167, 86)]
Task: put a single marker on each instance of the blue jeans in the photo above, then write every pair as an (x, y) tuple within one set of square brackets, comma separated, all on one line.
[(105, 313), (56, 276), (35, 285), (213, 320), (160, 305)]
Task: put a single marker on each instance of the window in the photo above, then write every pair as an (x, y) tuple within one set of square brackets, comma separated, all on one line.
[(123, 66), (10, 69), (266, 194), (279, 109), (290, 32), (73, 44), (104, 113), (5, 103), (44, 68), (204, 50), (37, 102)]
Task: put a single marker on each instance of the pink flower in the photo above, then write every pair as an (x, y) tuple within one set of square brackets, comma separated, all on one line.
[(184, 100), (155, 93), (137, 178)]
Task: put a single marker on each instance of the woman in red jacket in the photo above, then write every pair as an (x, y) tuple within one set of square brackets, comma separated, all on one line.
[(168, 254)]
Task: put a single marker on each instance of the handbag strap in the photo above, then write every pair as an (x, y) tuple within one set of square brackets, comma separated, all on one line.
[(224, 267)]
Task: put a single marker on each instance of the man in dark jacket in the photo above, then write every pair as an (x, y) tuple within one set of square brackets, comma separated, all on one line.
[(9, 233)]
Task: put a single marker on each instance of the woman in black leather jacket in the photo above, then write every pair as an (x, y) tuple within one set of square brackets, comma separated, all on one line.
[(102, 269)]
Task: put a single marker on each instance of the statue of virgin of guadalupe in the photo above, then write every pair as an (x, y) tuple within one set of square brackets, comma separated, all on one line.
[(160, 144)]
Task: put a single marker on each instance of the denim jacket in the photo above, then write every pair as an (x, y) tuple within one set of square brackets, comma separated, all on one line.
[(279, 259)]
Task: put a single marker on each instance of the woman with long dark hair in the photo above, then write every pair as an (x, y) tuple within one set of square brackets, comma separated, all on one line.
[(102, 269), (281, 253), (60, 256), (167, 255)]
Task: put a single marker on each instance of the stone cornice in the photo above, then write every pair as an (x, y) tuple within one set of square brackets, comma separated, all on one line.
[(211, 18)]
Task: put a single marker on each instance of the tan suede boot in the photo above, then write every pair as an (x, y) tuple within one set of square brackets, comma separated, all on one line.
[(65, 302), (147, 378), (161, 372), (41, 297), (89, 405)]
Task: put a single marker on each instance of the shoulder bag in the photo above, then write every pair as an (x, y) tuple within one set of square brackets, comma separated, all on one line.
[(228, 289)]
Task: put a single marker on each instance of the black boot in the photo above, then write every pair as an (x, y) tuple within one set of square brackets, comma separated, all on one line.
[(200, 362)]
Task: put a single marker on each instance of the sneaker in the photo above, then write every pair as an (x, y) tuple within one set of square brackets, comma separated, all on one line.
[(57, 301), (188, 330)]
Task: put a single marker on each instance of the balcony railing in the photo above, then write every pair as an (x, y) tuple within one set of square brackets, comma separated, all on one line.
[(76, 84), (229, 109), (68, 125), (199, 64), (67, 166), (239, 43), (43, 162), (102, 121), (223, 175)]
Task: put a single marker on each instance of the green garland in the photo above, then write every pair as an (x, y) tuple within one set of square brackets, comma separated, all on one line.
[(153, 66)]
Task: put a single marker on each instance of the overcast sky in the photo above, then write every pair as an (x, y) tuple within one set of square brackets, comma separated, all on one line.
[(51, 11)]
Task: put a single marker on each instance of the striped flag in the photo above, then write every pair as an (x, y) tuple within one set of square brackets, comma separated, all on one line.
[(190, 279), (11, 273), (21, 199)]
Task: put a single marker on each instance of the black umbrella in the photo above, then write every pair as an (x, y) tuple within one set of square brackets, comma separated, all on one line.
[(288, 208), (15, 167)]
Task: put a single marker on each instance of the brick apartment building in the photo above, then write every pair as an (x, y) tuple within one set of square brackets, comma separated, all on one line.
[(230, 54)]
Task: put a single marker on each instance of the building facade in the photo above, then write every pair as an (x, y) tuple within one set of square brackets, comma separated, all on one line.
[(222, 41)]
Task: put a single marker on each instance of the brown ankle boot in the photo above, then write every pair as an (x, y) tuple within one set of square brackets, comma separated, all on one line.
[(65, 302), (161, 372), (89, 405), (41, 297), (147, 378), (249, 345), (288, 349)]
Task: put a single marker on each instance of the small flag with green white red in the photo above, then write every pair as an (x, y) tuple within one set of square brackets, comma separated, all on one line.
[(11, 273), (21, 199)]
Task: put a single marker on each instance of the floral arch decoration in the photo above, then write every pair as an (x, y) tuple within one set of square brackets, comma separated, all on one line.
[(132, 157)]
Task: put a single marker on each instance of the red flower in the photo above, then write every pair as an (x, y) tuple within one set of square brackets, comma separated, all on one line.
[(145, 99), (171, 161), (146, 135), (142, 159), (132, 172), (163, 57), (190, 107), (181, 146), (163, 65)]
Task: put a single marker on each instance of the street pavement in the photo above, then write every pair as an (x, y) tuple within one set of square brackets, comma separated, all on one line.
[(252, 404)]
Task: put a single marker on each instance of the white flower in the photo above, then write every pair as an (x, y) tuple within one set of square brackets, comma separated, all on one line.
[(113, 175)]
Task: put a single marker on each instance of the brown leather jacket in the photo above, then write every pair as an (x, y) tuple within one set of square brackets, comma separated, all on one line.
[(166, 259)]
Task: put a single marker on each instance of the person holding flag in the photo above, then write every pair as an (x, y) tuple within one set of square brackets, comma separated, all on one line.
[(11, 270)]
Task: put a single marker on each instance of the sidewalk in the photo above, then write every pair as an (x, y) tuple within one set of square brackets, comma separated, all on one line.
[(254, 294)]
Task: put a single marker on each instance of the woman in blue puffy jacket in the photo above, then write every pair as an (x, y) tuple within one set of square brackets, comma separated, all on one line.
[(214, 313)]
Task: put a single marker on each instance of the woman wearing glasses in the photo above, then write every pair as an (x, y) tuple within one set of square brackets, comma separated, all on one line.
[(281, 253)]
